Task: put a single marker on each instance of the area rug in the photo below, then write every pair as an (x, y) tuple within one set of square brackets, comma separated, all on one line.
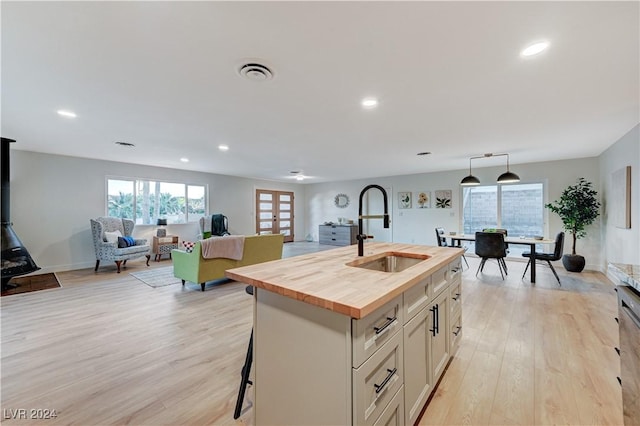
[(30, 283), (157, 277)]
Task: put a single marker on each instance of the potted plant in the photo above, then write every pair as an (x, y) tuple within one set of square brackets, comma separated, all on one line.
[(578, 207)]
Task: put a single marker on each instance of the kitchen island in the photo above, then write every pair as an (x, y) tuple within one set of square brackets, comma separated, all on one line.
[(338, 340)]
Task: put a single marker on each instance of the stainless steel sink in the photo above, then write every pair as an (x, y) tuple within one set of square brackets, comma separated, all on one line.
[(389, 261)]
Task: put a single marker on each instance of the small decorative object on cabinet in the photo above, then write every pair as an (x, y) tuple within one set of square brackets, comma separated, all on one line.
[(161, 232), (164, 245), (338, 235)]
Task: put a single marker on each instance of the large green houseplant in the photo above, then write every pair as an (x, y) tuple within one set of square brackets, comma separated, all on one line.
[(578, 207)]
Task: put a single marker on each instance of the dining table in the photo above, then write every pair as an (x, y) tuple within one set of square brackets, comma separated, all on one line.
[(527, 241)]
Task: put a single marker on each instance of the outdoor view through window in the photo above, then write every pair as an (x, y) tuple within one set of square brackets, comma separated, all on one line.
[(518, 208), (176, 202)]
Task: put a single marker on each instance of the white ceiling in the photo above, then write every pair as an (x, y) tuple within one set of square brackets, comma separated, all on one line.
[(163, 75)]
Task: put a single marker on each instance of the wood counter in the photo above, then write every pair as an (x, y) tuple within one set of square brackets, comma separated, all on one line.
[(323, 279)]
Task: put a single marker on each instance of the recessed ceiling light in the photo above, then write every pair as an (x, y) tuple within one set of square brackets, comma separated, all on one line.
[(223, 147), (184, 159), (535, 48), (369, 103), (66, 113), (299, 177)]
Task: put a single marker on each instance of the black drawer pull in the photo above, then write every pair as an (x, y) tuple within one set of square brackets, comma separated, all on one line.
[(457, 296), (385, 381), (458, 330), (385, 325), (619, 380), (617, 320), (434, 330), (617, 351)]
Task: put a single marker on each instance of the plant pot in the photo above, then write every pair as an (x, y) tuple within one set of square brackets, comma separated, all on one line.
[(573, 262)]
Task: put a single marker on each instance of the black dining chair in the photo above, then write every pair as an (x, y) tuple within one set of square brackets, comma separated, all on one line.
[(548, 257), (506, 245), (442, 242), (490, 245)]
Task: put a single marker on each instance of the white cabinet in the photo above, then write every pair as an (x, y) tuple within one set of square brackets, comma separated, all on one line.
[(427, 340), (418, 382), (316, 366), (377, 380), (439, 334)]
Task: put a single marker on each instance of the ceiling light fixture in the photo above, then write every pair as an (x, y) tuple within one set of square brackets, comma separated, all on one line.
[(506, 177), (369, 103), (535, 48), (65, 113), (184, 159), (223, 148), (299, 177)]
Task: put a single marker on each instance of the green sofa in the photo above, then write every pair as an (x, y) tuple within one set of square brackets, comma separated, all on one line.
[(194, 268)]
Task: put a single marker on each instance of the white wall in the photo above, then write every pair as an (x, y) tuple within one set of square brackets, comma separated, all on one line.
[(621, 245), (418, 225), (53, 197)]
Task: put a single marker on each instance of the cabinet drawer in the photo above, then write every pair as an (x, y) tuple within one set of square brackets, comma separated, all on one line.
[(393, 415), (376, 381), (439, 280), (455, 292), (372, 331), (455, 270), (456, 331), (416, 298)]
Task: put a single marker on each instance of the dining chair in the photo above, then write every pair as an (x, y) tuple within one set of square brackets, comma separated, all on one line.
[(490, 245), (506, 245), (548, 257), (441, 237)]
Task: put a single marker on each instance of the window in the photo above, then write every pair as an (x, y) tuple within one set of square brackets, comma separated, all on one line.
[(518, 208), (177, 202)]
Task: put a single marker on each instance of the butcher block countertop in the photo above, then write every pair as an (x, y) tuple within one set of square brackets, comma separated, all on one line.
[(324, 279)]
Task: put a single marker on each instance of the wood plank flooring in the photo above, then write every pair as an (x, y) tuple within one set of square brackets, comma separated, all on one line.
[(107, 349)]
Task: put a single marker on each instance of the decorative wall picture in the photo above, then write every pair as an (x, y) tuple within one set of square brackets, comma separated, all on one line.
[(424, 200), (621, 196), (404, 200), (443, 199)]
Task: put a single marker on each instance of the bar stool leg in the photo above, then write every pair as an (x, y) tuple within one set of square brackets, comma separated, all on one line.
[(246, 369)]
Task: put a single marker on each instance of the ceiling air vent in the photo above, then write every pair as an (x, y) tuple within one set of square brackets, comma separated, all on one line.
[(125, 144), (256, 72)]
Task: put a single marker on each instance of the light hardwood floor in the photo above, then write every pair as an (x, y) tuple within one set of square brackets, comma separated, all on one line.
[(108, 349)]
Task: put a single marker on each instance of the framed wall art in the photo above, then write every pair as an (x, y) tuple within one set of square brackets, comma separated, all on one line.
[(424, 200), (404, 200), (621, 196), (443, 199)]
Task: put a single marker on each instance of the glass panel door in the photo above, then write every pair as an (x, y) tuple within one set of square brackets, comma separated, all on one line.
[(274, 213)]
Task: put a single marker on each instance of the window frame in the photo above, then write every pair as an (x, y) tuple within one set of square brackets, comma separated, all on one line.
[(499, 186), (136, 182)]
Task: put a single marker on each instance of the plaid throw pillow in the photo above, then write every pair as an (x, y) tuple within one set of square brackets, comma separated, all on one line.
[(126, 242), (188, 246)]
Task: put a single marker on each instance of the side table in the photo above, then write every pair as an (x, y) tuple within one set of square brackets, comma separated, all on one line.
[(164, 245)]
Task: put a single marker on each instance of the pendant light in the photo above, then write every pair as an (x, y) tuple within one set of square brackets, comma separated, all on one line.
[(470, 180), (506, 177)]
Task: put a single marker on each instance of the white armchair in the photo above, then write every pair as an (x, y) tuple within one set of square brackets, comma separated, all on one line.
[(109, 251)]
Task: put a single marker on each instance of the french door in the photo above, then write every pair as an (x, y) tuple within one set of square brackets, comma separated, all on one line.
[(274, 213)]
